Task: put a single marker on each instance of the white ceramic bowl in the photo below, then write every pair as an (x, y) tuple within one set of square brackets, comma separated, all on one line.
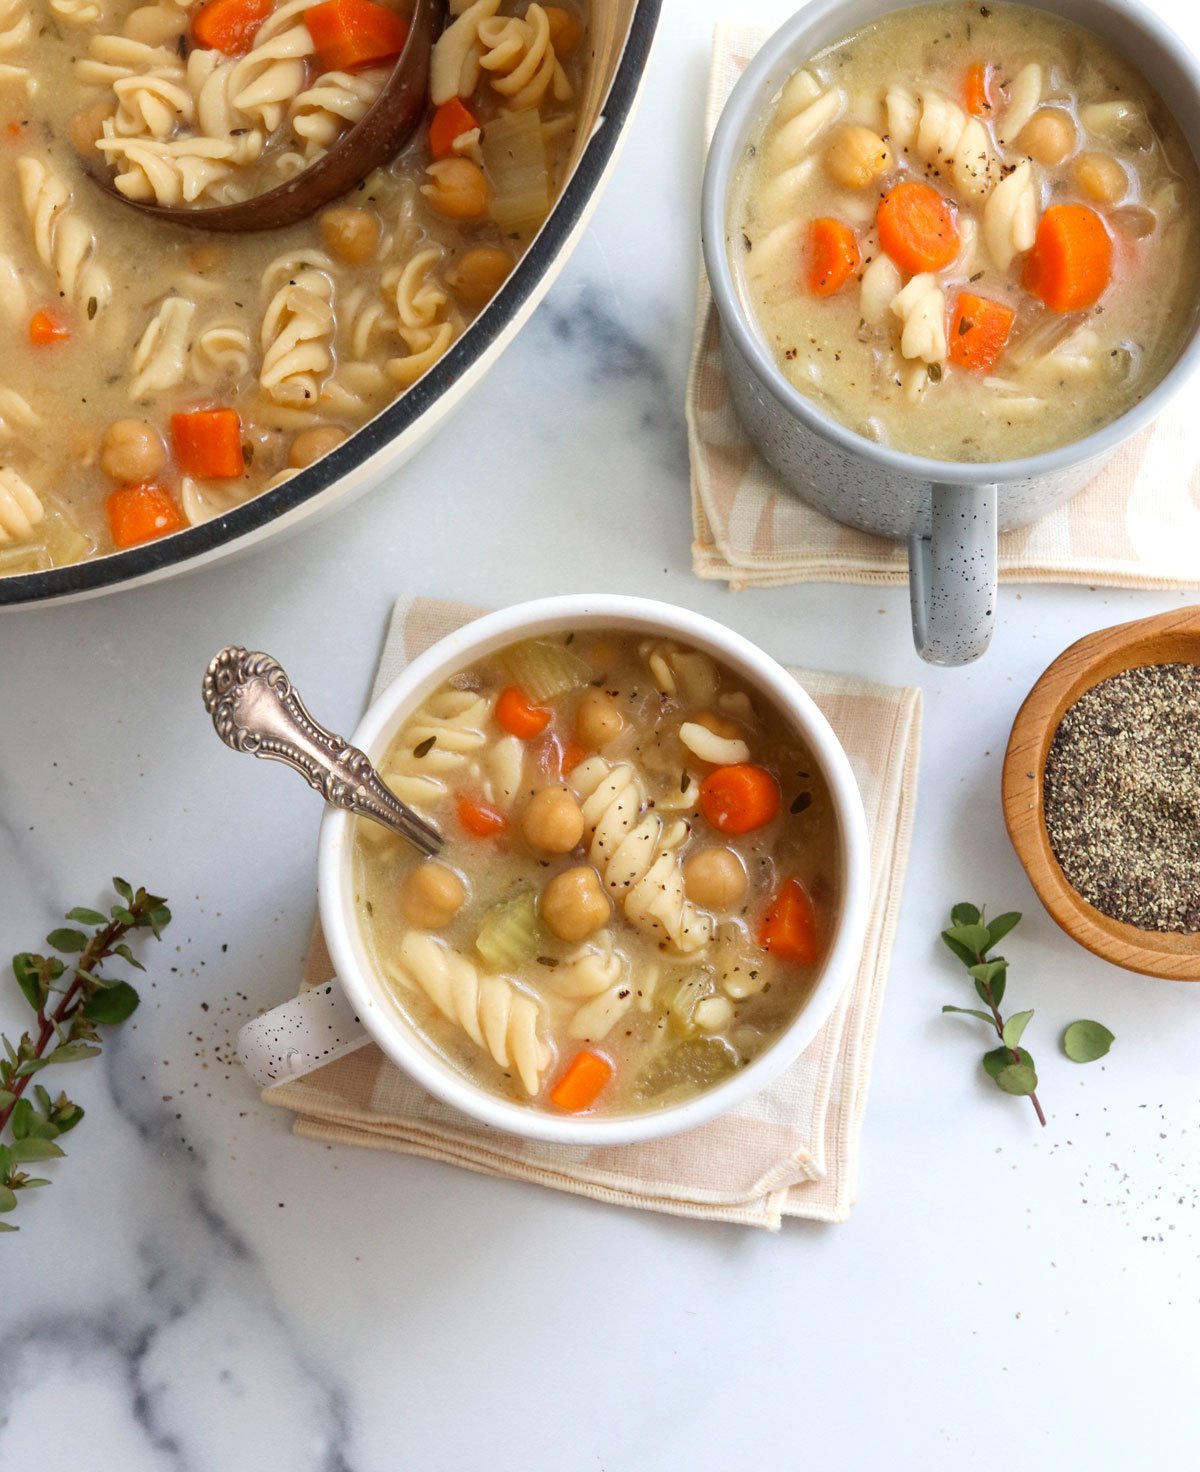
[(369, 995)]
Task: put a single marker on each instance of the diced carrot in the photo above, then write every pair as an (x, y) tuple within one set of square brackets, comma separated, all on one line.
[(45, 328), (833, 256), (480, 820), (789, 928), (573, 754), (978, 331), (976, 98), (450, 121), (229, 26), (208, 443), (740, 798), (349, 34), (1071, 262), (582, 1082), (141, 513), (518, 717), (916, 227), (14, 129)]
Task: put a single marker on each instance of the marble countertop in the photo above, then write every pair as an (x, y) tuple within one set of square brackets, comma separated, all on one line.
[(201, 1291)]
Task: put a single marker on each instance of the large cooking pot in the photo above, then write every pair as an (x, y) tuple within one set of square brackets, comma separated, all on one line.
[(621, 34)]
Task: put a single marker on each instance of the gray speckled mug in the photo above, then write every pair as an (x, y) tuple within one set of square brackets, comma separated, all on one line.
[(949, 513)]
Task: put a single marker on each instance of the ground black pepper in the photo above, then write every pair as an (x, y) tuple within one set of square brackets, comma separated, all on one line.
[(1122, 796)]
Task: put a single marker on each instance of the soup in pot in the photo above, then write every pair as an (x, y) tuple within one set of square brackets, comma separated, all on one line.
[(157, 376), (969, 231), (639, 880)]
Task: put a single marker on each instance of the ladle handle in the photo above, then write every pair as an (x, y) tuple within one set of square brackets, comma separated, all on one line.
[(256, 709)]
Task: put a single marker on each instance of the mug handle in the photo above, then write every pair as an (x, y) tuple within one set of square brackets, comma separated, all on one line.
[(300, 1036), (952, 575)]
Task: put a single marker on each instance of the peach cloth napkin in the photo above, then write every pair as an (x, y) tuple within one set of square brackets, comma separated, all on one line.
[(1136, 526), (791, 1150)]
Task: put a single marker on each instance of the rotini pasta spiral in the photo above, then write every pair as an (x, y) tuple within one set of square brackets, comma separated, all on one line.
[(1023, 100), (943, 136), (421, 308), (64, 244), (152, 104), (161, 24), (595, 976), (491, 1010), (297, 337), (332, 103), (222, 351), (16, 413), (456, 721), (160, 358), (638, 855), (688, 673), (110, 58), (80, 14), (921, 308), (454, 61), (171, 171), (20, 507), (268, 78), (881, 281), (16, 25), (1010, 217), (519, 58)]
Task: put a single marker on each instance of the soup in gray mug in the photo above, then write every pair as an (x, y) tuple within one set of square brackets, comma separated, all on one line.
[(960, 206)]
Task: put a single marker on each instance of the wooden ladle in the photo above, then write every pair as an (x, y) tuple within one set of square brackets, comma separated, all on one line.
[(378, 136)]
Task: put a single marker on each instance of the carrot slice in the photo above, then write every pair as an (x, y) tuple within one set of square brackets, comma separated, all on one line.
[(45, 328), (1070, 265), (208, 443), (480, 820), (140, 513), (518, 717), (833, 256), (975, 89), (573, 754), (229, 26), (354, 33), (582, 1082), (740, 798), (978, 331), (789, 928), (916, 227), (449, 122)]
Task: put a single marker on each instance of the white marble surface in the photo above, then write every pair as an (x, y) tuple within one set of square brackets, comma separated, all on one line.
[(200, 1291)]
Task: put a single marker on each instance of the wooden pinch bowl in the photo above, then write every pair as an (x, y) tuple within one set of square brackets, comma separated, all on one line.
[(1168, 638)]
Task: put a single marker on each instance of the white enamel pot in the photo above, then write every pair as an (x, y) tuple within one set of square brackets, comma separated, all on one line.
[(358, 1007), (624, 30), (949, 513)]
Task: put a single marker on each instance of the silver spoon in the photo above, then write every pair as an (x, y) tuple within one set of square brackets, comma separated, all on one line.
[(255, 708), (377, 137)]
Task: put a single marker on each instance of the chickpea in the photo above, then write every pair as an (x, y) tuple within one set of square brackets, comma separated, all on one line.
[(1049, 136), (858, 156), (87, 125), (131, 451), (574, 903), (565, 29), (310, 444), (480, 274), (1100, 177), (431, 895), (718, 725), (205, 259), (597, 719), (714, 878), (552, 822), (457, 189), (350, 234)]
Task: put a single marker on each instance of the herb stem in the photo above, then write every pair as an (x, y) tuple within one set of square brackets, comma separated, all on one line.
[(998, 1022), (97, 950)]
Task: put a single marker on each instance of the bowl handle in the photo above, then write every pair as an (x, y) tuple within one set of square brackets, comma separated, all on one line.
[(300, 1036), (952, 575)]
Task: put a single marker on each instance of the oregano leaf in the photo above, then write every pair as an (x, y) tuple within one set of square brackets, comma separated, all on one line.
[(124, 889), (1001, 925), (85, 916), (974, 937), (1085, 1041), (1017, 1078), (66, 939), (1015, 1027), (33, 1149), (114, 1004), (965, 915), (69, 1053), (971, 1012), (964, 955), (21, 1118), (8, 1198), (999, 1059)]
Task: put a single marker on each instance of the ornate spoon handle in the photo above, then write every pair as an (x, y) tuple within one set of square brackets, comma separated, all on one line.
[(255, 708)]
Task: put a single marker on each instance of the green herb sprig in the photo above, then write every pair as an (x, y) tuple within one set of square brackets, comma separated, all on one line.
[(66, 1029), (971, 937)]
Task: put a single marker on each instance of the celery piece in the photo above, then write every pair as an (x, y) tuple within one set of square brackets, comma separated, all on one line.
[(682, 994), (65, 543), (28, 557), (510, 935), (696, 1064), (544, 669)]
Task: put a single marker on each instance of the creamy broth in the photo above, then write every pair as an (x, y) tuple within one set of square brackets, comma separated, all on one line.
[(1030, 132), (115, 322), (598, 897)]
